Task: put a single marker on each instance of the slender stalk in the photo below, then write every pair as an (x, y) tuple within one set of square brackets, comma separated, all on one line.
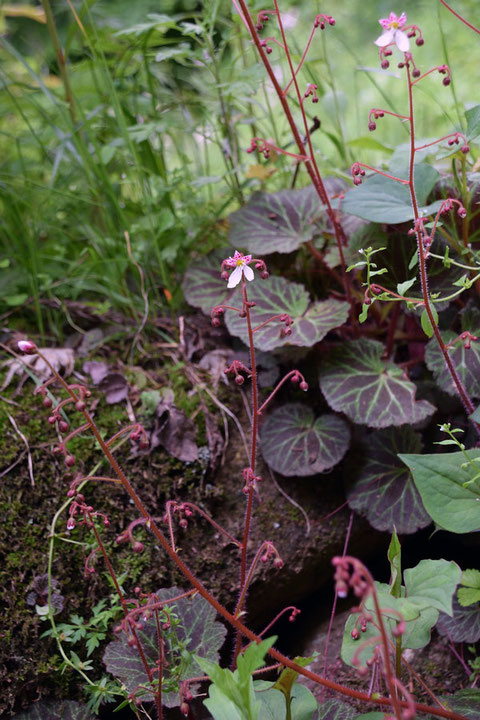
[(466, 401), (200, 588)]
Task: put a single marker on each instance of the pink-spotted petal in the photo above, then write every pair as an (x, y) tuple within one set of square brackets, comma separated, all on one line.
[(402, 41), (385, 39), (247, 259), (248, 272), (235, 277), (402, 20)]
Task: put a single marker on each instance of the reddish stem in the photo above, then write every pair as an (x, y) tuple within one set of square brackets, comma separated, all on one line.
[(462, 19)]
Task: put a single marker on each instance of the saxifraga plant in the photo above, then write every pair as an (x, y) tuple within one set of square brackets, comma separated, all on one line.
[(350, 573)]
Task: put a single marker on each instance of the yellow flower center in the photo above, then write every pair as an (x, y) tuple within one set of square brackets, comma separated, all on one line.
[(394, 25)]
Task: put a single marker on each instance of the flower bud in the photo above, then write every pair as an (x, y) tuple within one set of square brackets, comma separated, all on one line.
[(137, 546), (264, 275), (239, 379), (372, 126), (47, 402), (63, 426), (446, 81), (355, 634), (462, 212), (69, 461), (465, 149), (184, 708), (70, 523), (419, 41), (216, 322), (27, 346), (415, 73), (303, 386), (183, 523), (278, 563), (384, 64), (80, 405)]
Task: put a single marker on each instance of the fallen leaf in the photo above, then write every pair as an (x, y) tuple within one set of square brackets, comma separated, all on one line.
[(61, 359), (112, 383), (174, 431)]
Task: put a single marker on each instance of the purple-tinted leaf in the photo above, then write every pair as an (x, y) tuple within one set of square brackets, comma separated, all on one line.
[(464, 626), (294, 442), (276, 222), (112, 383), (466, 362), (276, 296), (370, 391), (384, 490), (198, 632), (58, 710), (202, 285)]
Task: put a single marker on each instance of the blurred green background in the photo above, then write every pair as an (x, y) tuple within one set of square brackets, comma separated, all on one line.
[(166, 96)]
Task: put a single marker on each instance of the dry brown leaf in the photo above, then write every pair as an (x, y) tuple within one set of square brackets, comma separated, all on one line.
[(61, 359)]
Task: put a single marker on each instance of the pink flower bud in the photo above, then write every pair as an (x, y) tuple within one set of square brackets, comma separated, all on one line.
[(184, 708), (63, 426), (415, 73), (461, 212), (384, 64), (446, 81), (278, 563), (215, 322), (239, 379), (69, 461), (372, 126), (47, 402), (27, 346), (70, 523), (80, 405), (137, 546), (264, 275), (303, 386), (419, 41), (465, 149), (355, 634)]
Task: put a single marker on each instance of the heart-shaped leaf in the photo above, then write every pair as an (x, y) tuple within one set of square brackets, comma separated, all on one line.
[(432, 583), (197, 632), (370, 391), (466, 361), (276, 296), (463, 626), (382, 200), (439, 479), (383, 490), (202, 285), (294, 442), (276, 222)]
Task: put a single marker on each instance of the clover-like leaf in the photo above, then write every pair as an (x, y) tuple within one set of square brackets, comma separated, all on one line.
[(439, 479), (370, 391), (277, 296), (463, 626), (56, 710), (383, 489), (276, 222), (294, 442), (382, 200), (202, 285), (198, 632), (465, 360)]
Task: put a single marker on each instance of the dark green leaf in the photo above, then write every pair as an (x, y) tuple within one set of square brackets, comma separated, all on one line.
[(276, 222), (294, 442), (370, 391), (383, 489), (466, 362), (276, 296), (202, 285), (463, 626), (57, 710), (439, 481), (198, 632), (382, 200)]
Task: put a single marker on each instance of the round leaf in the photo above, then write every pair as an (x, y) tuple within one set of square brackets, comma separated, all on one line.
[(198, 632), (276, 296), (202, 285), (464, 626), (384, 490), (439, 479), (276, 222), (370, 391), (465, 361), (293, 442)]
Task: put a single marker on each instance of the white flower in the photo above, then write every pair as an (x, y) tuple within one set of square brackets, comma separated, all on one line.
[(393, 32), (240, 263)]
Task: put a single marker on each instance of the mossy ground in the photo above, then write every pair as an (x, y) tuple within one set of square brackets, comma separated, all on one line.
[(28, 663)]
